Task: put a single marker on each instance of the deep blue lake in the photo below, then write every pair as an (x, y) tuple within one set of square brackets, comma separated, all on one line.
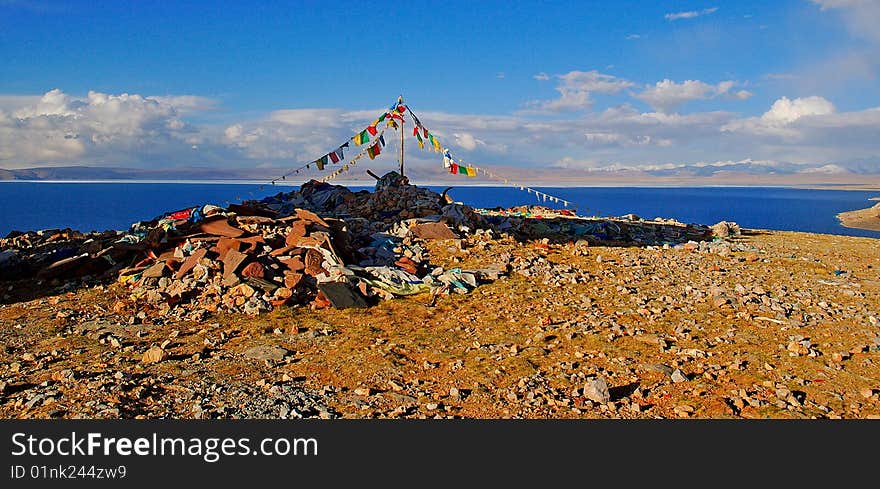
[(101, 206)]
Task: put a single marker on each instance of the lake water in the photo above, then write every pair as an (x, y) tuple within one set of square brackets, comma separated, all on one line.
[(101, 206)]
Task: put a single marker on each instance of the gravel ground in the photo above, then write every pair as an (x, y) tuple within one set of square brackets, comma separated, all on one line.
[(769, 324)]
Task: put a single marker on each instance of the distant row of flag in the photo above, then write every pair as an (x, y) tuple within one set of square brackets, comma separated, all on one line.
[(353, 161), (373, 138)]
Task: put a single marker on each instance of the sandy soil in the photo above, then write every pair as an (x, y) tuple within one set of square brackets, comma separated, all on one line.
[(862, 219)]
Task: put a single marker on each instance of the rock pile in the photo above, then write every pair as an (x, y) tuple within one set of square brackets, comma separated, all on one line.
[(321, 245), (536, 221), (252, 257)]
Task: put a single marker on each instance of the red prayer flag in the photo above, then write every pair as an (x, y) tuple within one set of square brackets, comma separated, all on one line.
[(373, 151), (425, 129), (401, 108), (372, 130), (415, 130), (334, 157)]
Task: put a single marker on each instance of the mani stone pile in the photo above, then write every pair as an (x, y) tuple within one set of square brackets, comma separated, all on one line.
[(319, 246), (252, 257)]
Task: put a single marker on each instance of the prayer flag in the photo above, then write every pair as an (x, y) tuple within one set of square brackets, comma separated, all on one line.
[(382, 139), (374, 151), (319, 164), (372, 130), (334, 157), (453, 168), (415, 130), (401, 108), (447, 159)]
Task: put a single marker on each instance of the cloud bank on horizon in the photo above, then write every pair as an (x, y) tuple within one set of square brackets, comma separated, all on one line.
[(593, 119)]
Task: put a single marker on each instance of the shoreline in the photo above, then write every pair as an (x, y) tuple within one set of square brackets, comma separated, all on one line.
[(867, 219), (443, 183)]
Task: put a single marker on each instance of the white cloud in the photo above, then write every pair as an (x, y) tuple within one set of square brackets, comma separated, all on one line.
[(576, 88), (467, 141), (296, 134), (811, 130), (133, 130), (187, 104), (58, 127), (860, 16), (784, 111), (667, 95), (623, 140), (690, 14), (633, 37), (541, 76), (11, 103)]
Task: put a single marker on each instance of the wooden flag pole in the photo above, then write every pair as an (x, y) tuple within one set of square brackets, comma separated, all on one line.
[(401, 141)]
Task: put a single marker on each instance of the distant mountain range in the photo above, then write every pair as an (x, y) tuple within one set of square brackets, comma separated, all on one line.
[(739, 173), (108, 173)]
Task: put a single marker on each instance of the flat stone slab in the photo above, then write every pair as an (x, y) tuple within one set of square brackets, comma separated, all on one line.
[(267, 352)]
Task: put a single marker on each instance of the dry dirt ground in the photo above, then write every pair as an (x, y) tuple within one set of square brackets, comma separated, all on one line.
[(788, 329)]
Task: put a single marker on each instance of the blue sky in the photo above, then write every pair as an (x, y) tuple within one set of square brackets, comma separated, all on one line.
[(568, 85)]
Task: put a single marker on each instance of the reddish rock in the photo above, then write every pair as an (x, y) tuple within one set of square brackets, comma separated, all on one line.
[(253, 270), (310, 241), (190, 263), (220, 227), (295, 264), (292, 279), (314, 258), (252, 244), (297, 231), (231, 262), (407, 265), (321, 301), (310, 217), (432, 230), (226, 244)]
